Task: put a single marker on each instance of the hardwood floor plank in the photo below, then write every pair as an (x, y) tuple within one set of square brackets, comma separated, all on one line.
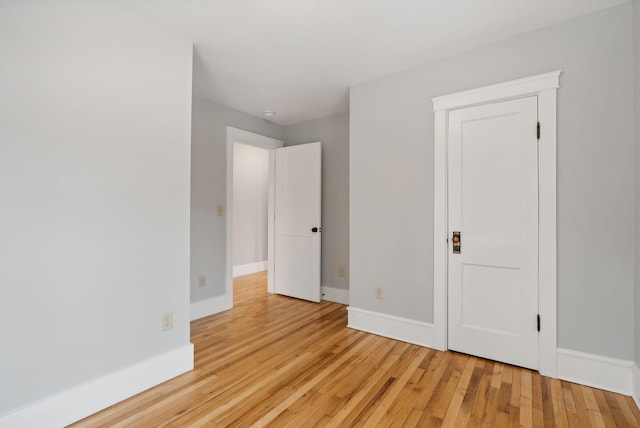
[(440, 406), (359, 417), (514, 402), (577, 414), (300, 391), (542, 406), (435, 371), (413, 418), (558, 403), (592, 407), (396, 389), (477, 410), (352, 407), (491, 403), (409, 399), (455, 403), (464, 414), (634, 408), (526, 399), (400, 411), (398, 376), (320, 416), (504, 400), (437, 391), (346, 382), (605, 410), (626, 410), (619, 417), (282, 362)]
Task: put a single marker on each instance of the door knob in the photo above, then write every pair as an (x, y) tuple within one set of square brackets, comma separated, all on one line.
[(455, 240), (314, 229)]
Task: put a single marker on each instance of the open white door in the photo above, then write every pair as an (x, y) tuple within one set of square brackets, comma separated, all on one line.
[(297, 225)]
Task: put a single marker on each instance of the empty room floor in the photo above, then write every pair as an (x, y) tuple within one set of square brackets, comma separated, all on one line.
[(278, 361)]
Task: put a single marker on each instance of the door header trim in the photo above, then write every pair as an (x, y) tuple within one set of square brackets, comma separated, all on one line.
[(512, 89)]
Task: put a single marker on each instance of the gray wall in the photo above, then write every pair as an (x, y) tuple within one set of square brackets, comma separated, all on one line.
[(333, 132), (636, 49), (250, 203), (391, 176), (94, 189), (208, 189)]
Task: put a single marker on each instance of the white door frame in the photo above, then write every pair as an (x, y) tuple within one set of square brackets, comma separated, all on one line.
[(544, 86), (235, 135)]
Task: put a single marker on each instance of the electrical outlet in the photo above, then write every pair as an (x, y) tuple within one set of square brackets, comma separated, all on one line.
[(341, 272), (378, 293), (220, 210), (202, 280), (166, 321)]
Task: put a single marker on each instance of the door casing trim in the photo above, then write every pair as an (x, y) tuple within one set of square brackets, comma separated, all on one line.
[(544, 86)]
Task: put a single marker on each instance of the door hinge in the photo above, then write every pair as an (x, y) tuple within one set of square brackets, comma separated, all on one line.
[(538, 322), (538, 130)]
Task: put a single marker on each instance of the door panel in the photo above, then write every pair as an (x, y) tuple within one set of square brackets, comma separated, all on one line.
[(480, 309), (493, 202), (297, 210)]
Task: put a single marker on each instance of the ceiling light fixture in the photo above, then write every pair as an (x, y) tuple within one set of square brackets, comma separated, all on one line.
[(269, 115)]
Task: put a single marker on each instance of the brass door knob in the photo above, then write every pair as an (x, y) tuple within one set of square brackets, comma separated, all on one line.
[(455, 239)]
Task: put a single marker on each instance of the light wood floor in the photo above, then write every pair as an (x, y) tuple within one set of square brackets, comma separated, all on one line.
[(278, 361)]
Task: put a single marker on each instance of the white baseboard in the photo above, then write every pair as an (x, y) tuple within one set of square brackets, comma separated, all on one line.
[(213, 305), (610, 374), (417, 332), (338, 295), (636, 384), (79, 402), (596, 371), (250, 268)]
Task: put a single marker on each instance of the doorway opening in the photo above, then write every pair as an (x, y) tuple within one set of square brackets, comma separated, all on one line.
[(252, 140), (293, 217), (250, 209)]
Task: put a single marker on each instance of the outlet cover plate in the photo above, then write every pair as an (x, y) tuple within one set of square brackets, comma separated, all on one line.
[(166, 321)]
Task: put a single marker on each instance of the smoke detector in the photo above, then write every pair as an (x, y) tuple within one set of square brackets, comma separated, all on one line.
[(269, 115)]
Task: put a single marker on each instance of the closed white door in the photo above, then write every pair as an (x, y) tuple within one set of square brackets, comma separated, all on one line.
[(493, 204), (298, 177)]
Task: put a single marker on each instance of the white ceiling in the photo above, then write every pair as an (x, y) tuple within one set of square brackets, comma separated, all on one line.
[(299, 57)]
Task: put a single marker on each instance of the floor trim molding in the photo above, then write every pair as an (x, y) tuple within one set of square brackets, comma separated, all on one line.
[(250, 268), (337, 295), (610, 374), (213, 305), (606, 373), (404, 329), (81, 401)]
